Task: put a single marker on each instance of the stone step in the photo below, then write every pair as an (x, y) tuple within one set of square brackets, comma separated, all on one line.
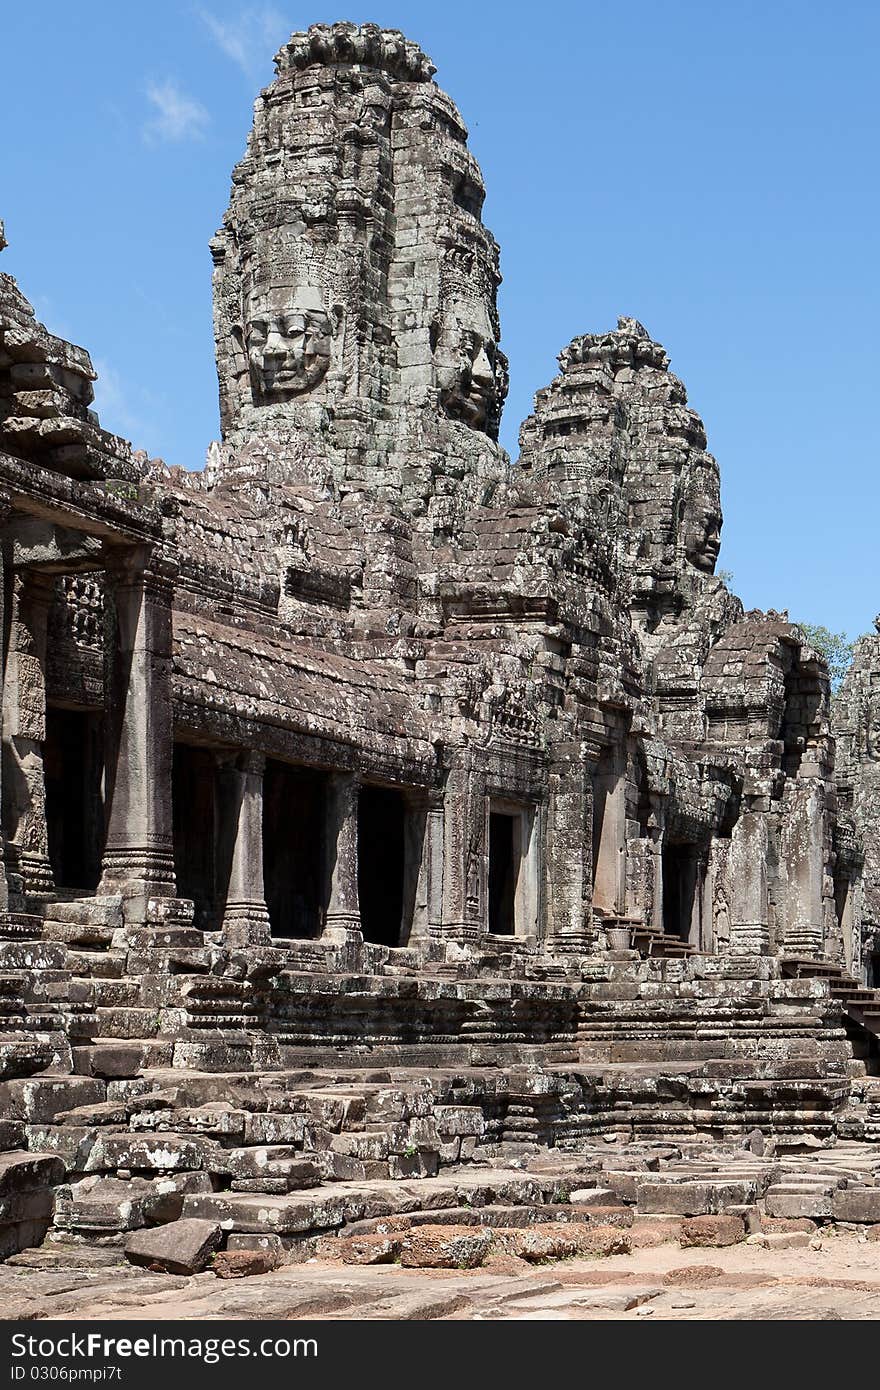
[(330, 1206), (105, 911), (90, 934), (32, 955), (20, 926)]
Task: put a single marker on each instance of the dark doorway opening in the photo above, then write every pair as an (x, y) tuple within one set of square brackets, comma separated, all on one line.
[(381, 864), (73, 762), (502, 874), (193, 800), (679, 890), (294, 813)]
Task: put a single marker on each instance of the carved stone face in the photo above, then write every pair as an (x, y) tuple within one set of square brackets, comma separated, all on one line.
[(872, 731), (701, 522), (289, 334), (465, 361)]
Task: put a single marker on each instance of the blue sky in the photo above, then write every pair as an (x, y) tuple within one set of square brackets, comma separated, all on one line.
[(707, 167)]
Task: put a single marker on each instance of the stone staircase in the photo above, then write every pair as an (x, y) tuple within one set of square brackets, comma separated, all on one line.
[(862, 1005), (153, 1072)]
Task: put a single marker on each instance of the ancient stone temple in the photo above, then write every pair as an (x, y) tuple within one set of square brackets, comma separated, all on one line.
[(380, 816)]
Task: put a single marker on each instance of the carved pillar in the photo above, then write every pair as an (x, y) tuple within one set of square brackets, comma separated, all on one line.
[(424, 864), (569, 915), (24, 732), (342, 920), (245, 915), (138, 854), (656, 824), (802, 841), (609, 832), (465, 897)]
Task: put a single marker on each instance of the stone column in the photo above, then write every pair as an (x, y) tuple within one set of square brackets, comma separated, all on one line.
[(747, 881), (802, 842), (138, 855), (24, 732), (424, 864), (609, 839), (245, 915), (465, 875), (342, 920), (656, 829)]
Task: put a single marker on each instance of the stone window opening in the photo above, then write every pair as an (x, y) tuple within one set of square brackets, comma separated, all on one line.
[(512, 906), (73, 766)]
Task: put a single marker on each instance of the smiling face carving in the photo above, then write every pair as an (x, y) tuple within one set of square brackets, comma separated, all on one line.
[(701, 520), (465, 358), (289, 336)]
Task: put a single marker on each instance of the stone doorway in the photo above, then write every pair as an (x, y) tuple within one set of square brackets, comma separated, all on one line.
[(513, 869), (194, 773), (382, 813), (294, 817), (73, 766), (682, 892), (503, 873)]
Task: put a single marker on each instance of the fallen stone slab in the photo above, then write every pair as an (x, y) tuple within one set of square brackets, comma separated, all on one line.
[(857, 1204), (22, 1171), (606, 1299), (181, 1247), (791, 1201), (692, 1198), (781, 1240)]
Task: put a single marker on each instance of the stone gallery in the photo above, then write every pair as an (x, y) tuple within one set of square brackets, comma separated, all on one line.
[(389, 827)]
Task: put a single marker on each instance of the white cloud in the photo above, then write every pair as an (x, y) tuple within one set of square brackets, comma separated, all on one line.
[(112, 403), (250, 40), (178, 116)]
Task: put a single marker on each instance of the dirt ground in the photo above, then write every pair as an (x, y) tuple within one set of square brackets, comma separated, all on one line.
[(839, 1280)]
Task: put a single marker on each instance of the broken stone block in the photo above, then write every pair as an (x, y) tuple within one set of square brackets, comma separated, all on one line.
[(781, 1240), (859, 1204), (373, 1249), (109, 1060), (711, 1230), (182, 1247), (559, 1241), (240, 1264), (22, 1171), (444, 1247)]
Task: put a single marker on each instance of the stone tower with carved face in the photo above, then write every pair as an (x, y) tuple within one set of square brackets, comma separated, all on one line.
[(354, 282)]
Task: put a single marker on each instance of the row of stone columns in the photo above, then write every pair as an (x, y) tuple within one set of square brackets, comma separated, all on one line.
[(246, 918)]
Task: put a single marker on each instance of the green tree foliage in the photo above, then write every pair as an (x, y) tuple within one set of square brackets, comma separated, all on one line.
[(836, 648)]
